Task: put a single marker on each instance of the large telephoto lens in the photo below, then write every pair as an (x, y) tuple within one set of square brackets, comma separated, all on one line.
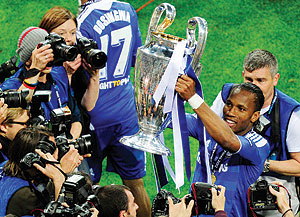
[(96, 58)]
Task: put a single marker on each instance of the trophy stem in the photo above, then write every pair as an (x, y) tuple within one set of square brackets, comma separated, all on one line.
[(146, 142)]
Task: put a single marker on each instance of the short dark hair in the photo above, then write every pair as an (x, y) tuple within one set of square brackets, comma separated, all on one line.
[(258, 59), (112, 200), (252, 88)]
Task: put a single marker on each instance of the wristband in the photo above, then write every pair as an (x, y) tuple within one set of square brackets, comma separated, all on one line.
[(290, 209), (195, 101), (31, 73), (29, 85)]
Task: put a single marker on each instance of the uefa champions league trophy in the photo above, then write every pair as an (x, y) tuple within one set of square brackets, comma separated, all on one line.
[(151, 62)]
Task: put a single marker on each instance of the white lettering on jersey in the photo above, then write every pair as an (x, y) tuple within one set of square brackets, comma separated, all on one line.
[(112, 84), (111, 17)]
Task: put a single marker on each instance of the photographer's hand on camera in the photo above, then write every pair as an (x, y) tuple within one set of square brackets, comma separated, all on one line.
[(51, 171), (218, 198), (41, 57), (70, 160), (282, 200), (72, 66), (180, 209)]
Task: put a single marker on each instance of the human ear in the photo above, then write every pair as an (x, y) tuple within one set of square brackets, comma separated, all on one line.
[(255, 116)]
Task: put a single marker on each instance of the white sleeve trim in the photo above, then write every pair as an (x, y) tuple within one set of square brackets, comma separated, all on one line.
[(293, 132)]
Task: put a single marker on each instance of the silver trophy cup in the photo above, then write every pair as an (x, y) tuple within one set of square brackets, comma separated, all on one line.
[(151, 62)]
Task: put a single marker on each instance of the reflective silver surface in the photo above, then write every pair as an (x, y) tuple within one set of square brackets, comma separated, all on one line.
[(152, 60)]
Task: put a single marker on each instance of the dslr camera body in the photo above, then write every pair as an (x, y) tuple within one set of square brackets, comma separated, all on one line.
[(82, 144), (260, 196), (200, 193), (8, 68), (62, 52), (76, 195), (93, 56)]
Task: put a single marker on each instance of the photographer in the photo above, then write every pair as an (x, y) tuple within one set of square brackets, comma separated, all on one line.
[(18, 186), (35, 74), (16, 119), (61, 21)]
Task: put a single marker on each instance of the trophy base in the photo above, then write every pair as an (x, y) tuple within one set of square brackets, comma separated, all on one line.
[(145, 142)]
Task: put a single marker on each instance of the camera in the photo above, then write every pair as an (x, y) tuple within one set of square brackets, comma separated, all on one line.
[(76, 193), (26, 164), (56, 209), (82, 144), (15, 99), (45, 145), (200, 193), (88, 49), (75, 190), (8, 68), (62, 52), (60, 119), (260, 196), (30, 158), (37, 116)]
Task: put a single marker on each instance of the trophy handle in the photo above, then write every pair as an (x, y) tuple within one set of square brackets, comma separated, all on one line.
[(158, 11), (191, 38)]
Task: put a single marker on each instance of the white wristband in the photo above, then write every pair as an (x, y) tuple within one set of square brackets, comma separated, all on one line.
[(195, 101)]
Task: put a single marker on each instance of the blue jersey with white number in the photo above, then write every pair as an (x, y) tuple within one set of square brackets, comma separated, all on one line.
[(114, 26), (237, 170)]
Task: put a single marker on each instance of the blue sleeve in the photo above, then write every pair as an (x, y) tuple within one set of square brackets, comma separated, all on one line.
[(192, 126), (11, 84), (254, 150)]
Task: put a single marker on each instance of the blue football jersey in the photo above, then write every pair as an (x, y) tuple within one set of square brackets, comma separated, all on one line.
[(237, 171), (114, 26)]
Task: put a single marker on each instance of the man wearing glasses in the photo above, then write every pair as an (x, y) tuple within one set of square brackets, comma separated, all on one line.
[(16, 119)]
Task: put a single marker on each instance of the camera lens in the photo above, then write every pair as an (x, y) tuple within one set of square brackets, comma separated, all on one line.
[(96, 58), (83, 144), (69, 53)]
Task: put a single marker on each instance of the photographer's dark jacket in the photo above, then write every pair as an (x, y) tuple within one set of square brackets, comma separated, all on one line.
[(57, 82), (16, 196)]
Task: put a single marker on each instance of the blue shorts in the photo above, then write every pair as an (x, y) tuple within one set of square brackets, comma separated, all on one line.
[(128, 162)]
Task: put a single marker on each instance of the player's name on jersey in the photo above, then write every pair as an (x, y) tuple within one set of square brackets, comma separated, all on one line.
[(112, 84), (110, 17)]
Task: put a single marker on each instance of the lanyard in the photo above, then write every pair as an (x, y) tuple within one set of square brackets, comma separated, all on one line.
[(215, 165), (273, 102)]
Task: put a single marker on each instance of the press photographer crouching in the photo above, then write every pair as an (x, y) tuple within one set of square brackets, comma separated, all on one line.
[(29, 173), (204, 199)]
